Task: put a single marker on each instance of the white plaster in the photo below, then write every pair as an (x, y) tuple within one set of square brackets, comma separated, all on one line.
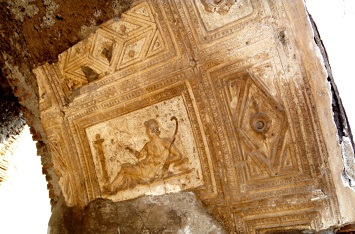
[(348, 175)]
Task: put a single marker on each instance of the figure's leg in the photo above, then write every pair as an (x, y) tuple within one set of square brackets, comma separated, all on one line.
[(117, 182), (111, 188), (181, 161), (181, 165)]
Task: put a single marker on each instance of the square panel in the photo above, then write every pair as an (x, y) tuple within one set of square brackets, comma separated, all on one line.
[(116, 141), (132, 151)]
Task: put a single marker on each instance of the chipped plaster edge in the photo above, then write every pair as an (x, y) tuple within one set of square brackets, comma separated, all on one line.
[(344, 194), (348, 175), (314, 66)]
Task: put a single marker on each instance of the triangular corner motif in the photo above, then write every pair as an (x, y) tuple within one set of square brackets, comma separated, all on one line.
[(157, 44), (288, 162), (142, 11), (122, 28), (265, 73), (255, 171), (74, 81), (73, 55), (79, 51)]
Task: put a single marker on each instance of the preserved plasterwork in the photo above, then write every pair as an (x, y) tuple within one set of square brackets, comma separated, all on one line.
[(154, 156), (213, 97)]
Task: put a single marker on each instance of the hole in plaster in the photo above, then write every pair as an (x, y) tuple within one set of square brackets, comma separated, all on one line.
[(90, 74)]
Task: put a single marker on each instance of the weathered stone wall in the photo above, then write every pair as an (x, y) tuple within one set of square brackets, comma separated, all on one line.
[(173, 213), (10, 116), (11, 120), (11, 124)]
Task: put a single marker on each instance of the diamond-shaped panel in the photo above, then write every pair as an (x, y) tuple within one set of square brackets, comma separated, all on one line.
[(107, 49), (135, 50), (261, 126)]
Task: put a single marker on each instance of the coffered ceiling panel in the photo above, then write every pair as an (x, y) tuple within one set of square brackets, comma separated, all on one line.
[(207, 96)]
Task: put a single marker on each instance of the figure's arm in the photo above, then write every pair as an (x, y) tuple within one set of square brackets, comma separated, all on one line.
[(132, 151), (174, 153), (139, 154)]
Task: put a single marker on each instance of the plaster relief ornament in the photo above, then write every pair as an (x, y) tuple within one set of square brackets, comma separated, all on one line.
[(146, 151), (220, 6), (158, 159), (204, 96)]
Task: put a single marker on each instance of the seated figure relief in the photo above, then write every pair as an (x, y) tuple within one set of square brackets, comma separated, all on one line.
[(158, 159)]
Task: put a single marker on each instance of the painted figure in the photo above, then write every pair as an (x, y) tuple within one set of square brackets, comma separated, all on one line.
[(158, 159)]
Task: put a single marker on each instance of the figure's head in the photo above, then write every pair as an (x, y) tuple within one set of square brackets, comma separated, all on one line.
[(152, 127), (97, 136)]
